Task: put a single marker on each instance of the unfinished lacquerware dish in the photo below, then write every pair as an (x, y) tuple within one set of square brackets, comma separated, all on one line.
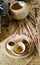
[(18, 38), (19, 10)]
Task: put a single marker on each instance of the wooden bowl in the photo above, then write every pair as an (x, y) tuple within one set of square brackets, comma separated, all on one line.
[(19, 10)]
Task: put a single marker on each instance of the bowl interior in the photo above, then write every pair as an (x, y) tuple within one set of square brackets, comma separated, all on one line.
[(19, 48), (11, 43), (16, 6)]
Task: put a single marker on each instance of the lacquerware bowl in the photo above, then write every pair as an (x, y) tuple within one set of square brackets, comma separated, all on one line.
[(19, 49), (19, 10)]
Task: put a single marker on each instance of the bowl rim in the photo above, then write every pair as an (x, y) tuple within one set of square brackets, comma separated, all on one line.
[(19, 4)]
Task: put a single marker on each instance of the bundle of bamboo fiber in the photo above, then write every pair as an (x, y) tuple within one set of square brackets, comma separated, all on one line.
[(38, 33)]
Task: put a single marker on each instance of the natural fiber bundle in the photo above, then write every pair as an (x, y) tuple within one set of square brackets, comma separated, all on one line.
[(38, 33)]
